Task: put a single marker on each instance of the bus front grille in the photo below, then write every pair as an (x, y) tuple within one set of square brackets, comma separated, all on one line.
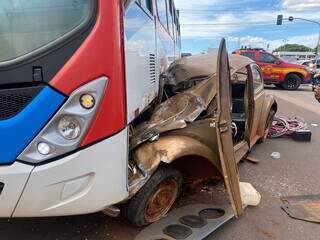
[(12, 101)]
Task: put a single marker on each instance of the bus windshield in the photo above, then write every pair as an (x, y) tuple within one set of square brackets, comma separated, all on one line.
[(28, 25)]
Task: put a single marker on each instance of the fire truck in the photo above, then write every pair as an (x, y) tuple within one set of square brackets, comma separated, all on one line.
[(74, 76)]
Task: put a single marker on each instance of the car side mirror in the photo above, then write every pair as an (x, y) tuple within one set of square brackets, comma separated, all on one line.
[(278, 62)]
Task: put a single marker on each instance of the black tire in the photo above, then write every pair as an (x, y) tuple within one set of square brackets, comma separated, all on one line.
[(270, 118), (136, 209), (292, 82)]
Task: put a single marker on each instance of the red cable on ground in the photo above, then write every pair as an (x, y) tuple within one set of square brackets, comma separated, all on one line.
[(285, 127)]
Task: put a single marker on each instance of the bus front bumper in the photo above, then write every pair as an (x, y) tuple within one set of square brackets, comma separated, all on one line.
[(85, 182)]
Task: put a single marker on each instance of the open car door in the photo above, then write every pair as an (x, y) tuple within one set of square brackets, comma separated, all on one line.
[(224, 130)]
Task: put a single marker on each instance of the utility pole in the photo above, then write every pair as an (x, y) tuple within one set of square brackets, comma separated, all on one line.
[(291, 19)]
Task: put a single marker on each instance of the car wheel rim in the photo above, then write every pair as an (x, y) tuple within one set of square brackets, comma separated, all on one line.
[(161, 200), (292, 83)]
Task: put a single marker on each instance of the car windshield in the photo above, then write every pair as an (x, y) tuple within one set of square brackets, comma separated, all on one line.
[(28, 25)]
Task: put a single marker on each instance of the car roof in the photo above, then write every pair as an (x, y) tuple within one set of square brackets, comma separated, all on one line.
[(251, 50), (206, 64)]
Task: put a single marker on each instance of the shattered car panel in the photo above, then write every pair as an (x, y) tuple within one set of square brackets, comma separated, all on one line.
[(188, 105), (176, 112), (306, 208)]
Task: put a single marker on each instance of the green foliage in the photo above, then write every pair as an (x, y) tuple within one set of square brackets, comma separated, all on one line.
[(293, 48)]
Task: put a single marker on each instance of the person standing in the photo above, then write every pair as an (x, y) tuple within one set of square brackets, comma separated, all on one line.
[(317, 92)]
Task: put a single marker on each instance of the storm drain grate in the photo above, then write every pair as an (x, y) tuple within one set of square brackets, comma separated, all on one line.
[(212, 213), (191, 222), (177, 231)]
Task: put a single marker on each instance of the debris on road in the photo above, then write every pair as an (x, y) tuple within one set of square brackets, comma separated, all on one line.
[(252, 159), (302, 135), (249, 195), (275, 155), (305, 207), (294, 127)]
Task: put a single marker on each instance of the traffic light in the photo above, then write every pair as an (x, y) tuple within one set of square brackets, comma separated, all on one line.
[(279, 19)]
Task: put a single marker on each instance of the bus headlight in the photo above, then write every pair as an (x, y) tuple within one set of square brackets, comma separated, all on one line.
[(67, 128)]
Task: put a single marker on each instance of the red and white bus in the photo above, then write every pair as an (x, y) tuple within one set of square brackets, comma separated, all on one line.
[(74, 75)]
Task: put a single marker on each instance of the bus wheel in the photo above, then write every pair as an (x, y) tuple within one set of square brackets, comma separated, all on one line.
[(156, 198), (292, 82)]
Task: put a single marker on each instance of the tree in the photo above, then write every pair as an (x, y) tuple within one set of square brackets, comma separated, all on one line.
[(293, 48)]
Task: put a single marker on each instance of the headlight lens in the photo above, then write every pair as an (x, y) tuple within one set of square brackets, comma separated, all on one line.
[(65, 131), (43, 148), (69, 127)]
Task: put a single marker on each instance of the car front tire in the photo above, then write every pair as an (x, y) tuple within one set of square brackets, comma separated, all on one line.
[(155, 198), (292, 82)]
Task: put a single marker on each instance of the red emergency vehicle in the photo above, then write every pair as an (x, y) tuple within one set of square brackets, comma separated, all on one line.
[(276, 71)]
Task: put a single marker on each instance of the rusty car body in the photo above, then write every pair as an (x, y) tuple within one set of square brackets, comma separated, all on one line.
[(214, 110)]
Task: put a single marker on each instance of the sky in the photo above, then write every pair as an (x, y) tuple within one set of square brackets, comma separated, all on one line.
[(249, 23)]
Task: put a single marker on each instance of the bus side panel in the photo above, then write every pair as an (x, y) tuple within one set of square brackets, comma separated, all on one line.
[(168, 49), (165, 48), (142, 79)]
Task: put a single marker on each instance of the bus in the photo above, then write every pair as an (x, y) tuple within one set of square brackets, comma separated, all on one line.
[(74, 76)]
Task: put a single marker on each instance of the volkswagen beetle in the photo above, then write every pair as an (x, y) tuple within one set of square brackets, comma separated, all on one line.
[(213, 110)]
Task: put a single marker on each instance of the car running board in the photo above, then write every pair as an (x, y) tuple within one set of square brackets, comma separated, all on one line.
[(195, 221)]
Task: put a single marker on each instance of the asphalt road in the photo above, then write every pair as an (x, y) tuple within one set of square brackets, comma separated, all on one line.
[(297, 172)]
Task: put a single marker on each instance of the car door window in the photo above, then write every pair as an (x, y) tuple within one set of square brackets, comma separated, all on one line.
[(248, 54), (267, 58), (257, 79)]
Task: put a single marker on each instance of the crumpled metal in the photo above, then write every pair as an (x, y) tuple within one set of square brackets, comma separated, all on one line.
[(176, 112)]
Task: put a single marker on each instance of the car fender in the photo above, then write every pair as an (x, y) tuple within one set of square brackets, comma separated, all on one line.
[(268, 104), (303, 74), (170, 149)]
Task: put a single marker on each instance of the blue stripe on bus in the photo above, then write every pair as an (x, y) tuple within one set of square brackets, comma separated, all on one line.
[(17, 132)]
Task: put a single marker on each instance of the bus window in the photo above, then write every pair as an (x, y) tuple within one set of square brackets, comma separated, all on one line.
[(146, 4), (170, 19), (162, 12), (174, 24), (29, 25)]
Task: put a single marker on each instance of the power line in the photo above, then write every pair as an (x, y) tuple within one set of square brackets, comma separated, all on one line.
[(229, 10), (245, 9), (229, 24)]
